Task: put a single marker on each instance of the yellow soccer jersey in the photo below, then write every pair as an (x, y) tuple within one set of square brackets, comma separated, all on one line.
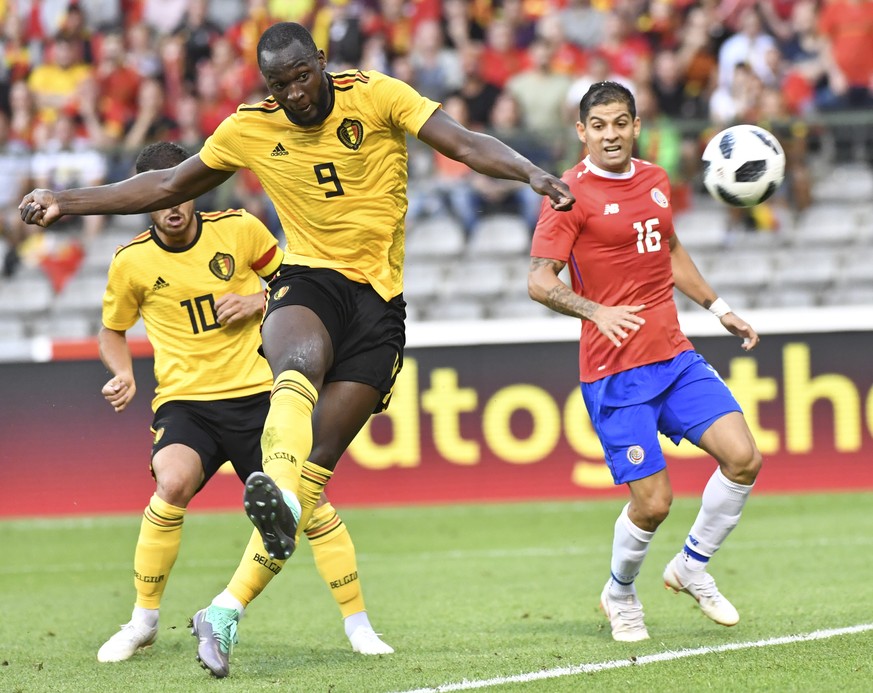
[(339, 186), (174, 291)]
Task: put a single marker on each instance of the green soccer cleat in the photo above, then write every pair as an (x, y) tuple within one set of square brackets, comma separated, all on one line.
[(215, 629), (269, 512)]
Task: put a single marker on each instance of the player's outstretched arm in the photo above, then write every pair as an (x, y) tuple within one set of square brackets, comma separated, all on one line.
[(145, 192), (690, 282), (491, 157), (115, 355), (544, 286)]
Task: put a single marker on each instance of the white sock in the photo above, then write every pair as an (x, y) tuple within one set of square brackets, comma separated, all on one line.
[(355, 621), (147, 617), (629, 547), (720, 510), (227, 601)]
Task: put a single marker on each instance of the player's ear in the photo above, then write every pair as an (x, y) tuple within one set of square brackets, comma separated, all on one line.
[(637, 126), (580, 131)]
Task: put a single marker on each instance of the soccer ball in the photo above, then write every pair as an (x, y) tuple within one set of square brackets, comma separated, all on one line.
[(743, 165)]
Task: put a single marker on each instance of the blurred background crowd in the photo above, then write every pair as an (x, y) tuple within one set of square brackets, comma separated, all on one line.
[(84, 84)]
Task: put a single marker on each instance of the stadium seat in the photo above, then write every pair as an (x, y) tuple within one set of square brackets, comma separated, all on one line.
[(850, 295), (479, 279), (826, 223), (25, 294), (500, 235), (436, 237), (98, 254), (805, 268), (519, 307), (793, 297), (742, 270), (467, 309), (66, 327), (846, 182), (11, 328), (83, 293), (855, 270), (422, 284), (702, 227)]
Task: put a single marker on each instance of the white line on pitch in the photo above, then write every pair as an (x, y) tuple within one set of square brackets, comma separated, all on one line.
[(645, 659)]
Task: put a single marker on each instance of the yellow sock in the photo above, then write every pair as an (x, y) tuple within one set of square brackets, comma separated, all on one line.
[(254, 571), (287, 437), (334, 555), (160, 536), (313, 479)]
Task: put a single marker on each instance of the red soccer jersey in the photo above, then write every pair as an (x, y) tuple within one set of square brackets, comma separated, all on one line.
[(615, 242)]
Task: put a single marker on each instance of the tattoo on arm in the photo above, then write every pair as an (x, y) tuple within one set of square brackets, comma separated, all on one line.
[(561, 298)]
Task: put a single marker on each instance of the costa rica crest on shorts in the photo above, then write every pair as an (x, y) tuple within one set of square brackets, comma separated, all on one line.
[(636, 454), (351, 133), (222, 266)]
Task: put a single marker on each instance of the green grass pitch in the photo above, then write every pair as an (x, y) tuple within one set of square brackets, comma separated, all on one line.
[(489, 596)]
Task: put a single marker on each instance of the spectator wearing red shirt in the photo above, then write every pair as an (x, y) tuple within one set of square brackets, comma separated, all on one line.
[(501, 58), (846, 27), (623, 46), (117, 84)]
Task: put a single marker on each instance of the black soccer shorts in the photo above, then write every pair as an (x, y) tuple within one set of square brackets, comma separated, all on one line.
[(368, 333), (218, 430)]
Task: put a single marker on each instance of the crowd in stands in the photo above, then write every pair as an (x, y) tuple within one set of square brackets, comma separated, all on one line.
[(85, 84)]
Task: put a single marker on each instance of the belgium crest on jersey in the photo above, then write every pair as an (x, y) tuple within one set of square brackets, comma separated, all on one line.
[(222, 266), (351, 133)]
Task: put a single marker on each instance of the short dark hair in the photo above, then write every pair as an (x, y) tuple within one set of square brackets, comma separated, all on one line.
[(283, 34), (602, 93), (160, 155)]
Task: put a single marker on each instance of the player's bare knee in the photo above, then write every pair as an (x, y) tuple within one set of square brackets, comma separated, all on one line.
[(649, 513), (177, 489), (744, 468)]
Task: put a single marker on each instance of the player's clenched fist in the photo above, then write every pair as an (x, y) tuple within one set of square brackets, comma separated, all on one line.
[(39, 207), (119, 391)]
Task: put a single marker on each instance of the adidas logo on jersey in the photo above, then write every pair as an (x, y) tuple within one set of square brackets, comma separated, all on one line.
[(279, 150), (160, 284)]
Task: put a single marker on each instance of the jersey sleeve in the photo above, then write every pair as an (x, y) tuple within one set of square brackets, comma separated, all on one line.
[(556, 232), (120, 304), (266, 255), (223, 149), (404, 107)]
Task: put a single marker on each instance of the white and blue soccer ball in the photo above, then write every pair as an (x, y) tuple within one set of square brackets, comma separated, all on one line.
[(743, 165)]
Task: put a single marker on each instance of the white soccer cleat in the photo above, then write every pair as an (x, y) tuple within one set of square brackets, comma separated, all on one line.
[(701, 586), (625, 615), (366, 641), (124, 644)]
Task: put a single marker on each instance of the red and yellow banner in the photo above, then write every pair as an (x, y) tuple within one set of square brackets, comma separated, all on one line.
[(490, 422)]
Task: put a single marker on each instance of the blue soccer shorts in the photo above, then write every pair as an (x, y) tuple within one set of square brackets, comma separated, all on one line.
[(680, 397)]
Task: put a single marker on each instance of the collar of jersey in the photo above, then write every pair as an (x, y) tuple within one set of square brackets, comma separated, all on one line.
[(597, 171), (178, 249)]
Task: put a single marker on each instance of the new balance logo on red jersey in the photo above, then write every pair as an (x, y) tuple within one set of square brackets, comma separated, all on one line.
[(160, 284), (279, 150), (610, 208)]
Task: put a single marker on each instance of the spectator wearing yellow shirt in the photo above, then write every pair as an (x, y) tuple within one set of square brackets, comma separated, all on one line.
[(55, 82)]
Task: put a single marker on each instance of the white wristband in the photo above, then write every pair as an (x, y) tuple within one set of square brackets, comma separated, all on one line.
[(719, 308)]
